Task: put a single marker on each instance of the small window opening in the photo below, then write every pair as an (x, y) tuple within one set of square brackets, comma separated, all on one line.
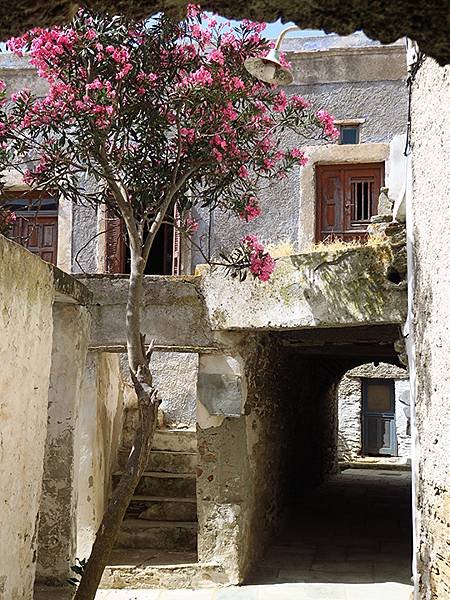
[(349, 134), (361, 199)]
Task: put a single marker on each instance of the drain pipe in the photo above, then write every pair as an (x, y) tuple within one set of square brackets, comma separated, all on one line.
[(408, 331)]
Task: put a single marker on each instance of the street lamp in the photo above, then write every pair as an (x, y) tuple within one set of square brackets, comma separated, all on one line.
[(268, 68)]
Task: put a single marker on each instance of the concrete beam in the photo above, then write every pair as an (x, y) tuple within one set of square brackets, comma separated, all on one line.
[(333, 288), (174, 312), (340, 288)]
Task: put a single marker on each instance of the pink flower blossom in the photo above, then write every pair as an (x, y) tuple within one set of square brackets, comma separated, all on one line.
[(243, 172), (251, 210), (188, 134), (252, 26), (229, 112), (299, 155), (327, 122), (193, 10), (281, 102), (190, 225), (262, 266), (216, 56), (299, 102), (251, 242)]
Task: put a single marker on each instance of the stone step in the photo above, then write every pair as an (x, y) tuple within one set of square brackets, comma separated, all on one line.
[(175, 440), (167, 535), (174, 485), (154, 508), (152, 568), (165, 461)]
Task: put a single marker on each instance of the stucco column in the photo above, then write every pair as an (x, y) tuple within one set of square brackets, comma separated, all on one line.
[(57, 527), (222, 463)]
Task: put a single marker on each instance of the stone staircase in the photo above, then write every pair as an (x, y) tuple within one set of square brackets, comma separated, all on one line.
[(163, 512), (157, 545)]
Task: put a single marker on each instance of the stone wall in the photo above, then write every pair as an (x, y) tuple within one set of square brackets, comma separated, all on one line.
[(429, 237), (267, 431), (350, 409), (243, 436), (26, 298)]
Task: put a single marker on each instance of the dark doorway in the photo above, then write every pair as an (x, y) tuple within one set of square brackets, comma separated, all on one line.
[(164, 256), (347, 197)]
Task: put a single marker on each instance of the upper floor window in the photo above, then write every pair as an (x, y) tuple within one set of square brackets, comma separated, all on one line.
[(347, 198), (349, 134), (164, 256), (349, 130), (36, 223)]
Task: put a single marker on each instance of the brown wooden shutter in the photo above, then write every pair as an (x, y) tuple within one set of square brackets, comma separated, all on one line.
[(176, 250), (347, 197), (115, 247), (39, 235)]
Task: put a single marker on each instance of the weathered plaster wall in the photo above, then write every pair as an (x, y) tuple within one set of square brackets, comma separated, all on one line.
[(173, 313), (26, 298), (58, 508), (350, 77), (175, 377), (99, 434), (430, 237), (350, 408), (267, 430)]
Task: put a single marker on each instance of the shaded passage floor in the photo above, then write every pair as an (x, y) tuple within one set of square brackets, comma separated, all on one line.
[(347, 540), (353, 529)]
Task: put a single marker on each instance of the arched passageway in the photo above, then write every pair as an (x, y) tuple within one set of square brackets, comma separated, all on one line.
[(338, 524)]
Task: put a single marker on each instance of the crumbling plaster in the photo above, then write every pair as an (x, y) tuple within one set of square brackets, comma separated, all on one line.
[(58, 507)]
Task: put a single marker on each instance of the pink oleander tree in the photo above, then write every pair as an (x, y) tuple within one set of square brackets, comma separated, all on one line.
[(156, 114)]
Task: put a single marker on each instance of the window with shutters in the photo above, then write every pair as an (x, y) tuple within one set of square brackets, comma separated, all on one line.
[(36, 225), (164, 256), (346, 199)]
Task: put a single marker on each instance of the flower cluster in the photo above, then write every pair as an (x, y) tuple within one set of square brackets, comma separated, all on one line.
[(251, 210), (327, 121), (7, 219), (165, 107), (262, 264)]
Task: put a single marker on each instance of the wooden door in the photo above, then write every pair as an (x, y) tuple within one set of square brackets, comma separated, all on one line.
[(347, 197), (36, 225), (379, 432), (38, 234)]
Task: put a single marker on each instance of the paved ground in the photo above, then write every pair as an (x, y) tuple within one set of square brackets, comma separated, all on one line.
[(348, 540)]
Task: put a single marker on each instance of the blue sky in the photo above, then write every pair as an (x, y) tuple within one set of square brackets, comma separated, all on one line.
[(273, 29), (271, 32)]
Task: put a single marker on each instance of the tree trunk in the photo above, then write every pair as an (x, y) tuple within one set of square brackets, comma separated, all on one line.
[(148, 411)]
